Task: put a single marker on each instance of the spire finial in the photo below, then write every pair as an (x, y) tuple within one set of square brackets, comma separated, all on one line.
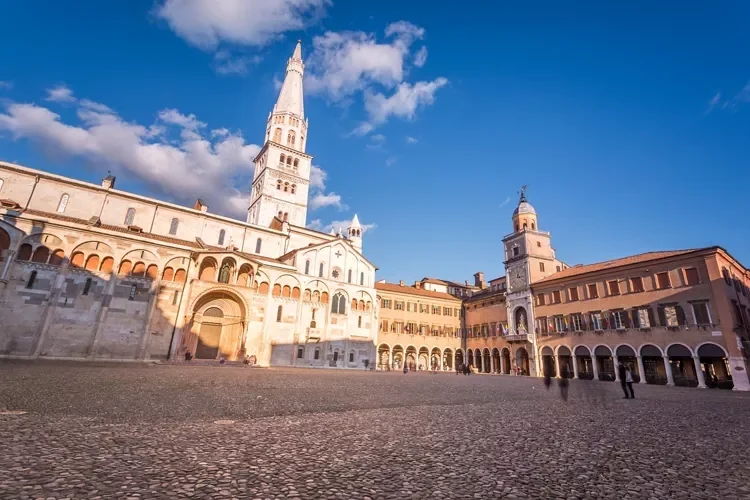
[(523, 194)]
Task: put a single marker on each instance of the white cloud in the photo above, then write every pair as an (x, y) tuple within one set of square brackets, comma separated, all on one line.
[(321, 199), (318, 178), (404, 102), (226, 63), (411, 140), (219, 132), (505, 202), (318, 225), (193, 166), (344, 63), (379, 138), (420, 58), (61, 93), (363, 128), (205, 23), (390, 161), (6, 85)]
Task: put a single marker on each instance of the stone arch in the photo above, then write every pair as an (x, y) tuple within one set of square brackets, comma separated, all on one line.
[(107, 264), (179, 266), (41, 254), (397, 356), (57, 257), (711, 350), (226, 271), (562, 350), (92, 262), (520, 319), (678, 350), (436, 358), (650, 350), (625, 352), (245, 275), (207, 269), (547, 351), (219, 316), (602, 350), (522, 361), (505, 354)]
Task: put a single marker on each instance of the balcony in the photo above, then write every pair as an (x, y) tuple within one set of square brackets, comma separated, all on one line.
[(518, 337), (287, 168), (314, 333)]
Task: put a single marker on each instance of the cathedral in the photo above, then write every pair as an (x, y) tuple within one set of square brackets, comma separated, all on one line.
[(91, 272)]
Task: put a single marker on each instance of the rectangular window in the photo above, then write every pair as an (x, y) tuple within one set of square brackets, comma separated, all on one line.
[(351, 357), (175, 297), (643, 318), (399, 306), (133, 290), (540, 299), (87, 286), (691, 276), (317, 353), (515, 251), (700, 313), (412, 328), (671, 315), (662, 281), (576, 322), (596, 321), (543, 324), (593, 291), (456, 312), (424, 308), (556, 297), (614, 287), (559, 324), (637, 283), (541, 266), (384, 325), (573, 293), (300, 352), (386, 303), (436, 310), (447, 311), (618, 319)]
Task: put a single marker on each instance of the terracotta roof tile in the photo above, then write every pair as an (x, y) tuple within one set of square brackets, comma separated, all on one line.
[(392, 287), (610, 264)]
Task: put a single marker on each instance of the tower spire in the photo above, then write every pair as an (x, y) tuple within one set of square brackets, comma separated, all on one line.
[(291, 99)]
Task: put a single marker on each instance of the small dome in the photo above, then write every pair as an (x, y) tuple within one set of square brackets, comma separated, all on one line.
[(524, 208)]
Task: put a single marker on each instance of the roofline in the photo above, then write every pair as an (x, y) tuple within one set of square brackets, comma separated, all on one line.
[(409, 287), (158, 203), (552, 279)]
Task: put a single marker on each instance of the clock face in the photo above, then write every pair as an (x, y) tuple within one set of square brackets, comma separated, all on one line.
[(517, 277)]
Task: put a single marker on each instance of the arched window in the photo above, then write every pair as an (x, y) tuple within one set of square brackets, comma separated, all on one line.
[(281, 215), (286, 216), (41, 255), (92, 263), (276, 291), (338, 305), (180, 276), (63, 203), (286, 187), (278, 184), (359, 322), (226, 273), (349, 277), (301, 141), (290, 138), (317, 353), (173, 226), (279, 311), (32, 279), (361, 279), (258, 244), (533, 226), (282, 158), (222, 233), (289, 161), (524, 225), (725, 273), (307, 267), (168, 274), (87, 286), (516, 226), (76, 260), (277, 136), (320, 273), (296, 163), (107, 264), (130, 217), (24, 253), (57, 257), (294, 188)]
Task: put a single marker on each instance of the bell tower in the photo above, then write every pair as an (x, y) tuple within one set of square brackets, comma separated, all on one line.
[(282, 168)]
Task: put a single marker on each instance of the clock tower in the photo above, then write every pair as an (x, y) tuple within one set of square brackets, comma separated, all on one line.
[(529, 257)]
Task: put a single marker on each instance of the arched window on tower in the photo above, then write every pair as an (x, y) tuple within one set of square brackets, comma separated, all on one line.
[(361, 279), (286, 216), (173, 226), (294, 188), (524, 226), (533, 226), (320, 270), (258, 244), (278, 184), (289, 161), (279, 311), (338, 305), (222, 234), (290, 138), (349, 276), (286, 187), (277, 136), (282, 158), (307, 267), (130, 217), (296, 163)]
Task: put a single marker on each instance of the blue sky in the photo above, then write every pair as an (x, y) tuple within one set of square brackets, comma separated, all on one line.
[(629, 123)]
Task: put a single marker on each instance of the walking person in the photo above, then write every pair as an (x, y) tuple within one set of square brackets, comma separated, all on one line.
[(565, 375), (622, 372), (629, 382)]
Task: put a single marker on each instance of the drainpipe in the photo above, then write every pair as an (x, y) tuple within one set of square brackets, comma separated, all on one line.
[(151, 229), (179, 306), (36, 181)]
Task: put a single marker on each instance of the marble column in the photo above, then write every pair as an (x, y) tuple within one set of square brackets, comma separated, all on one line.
[(641, 370), (616, 365), (699, 372), (668, 370), (575, 365), (595, 367), (492, 363), (557, 365)]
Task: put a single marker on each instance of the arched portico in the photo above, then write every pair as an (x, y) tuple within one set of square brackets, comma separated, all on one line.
[(564, 362), (448, 359), (583, 363), (549, 368), (605, 366), (682, 366), (714, 363), (506, 364), (217, 326), (654, 369), (397, 362), (384, 357), (497, 361), (486, 361), (436, 359), (522, 361)]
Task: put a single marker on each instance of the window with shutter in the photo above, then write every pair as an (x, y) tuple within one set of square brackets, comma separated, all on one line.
[(614, 287), (576, 323), (680, 315), (691, 276), (637, 283), (556, 297), (700, 312), (662, 280), (573, 293), (593, 291), (596, 321)]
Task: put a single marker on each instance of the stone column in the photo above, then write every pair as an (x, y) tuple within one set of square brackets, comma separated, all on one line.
[(575, 365), (668, 369), (179, 320), (390, 359), (557, 365), (49, 311), (502, 363), (492, 363), (595, 367), (481, 362), (101, 318), (641, 369), (153, 295), (739, 374), (9, 257), (699, 372)]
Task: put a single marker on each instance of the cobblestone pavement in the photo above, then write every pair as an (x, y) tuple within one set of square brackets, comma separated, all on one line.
[(133, 431)]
